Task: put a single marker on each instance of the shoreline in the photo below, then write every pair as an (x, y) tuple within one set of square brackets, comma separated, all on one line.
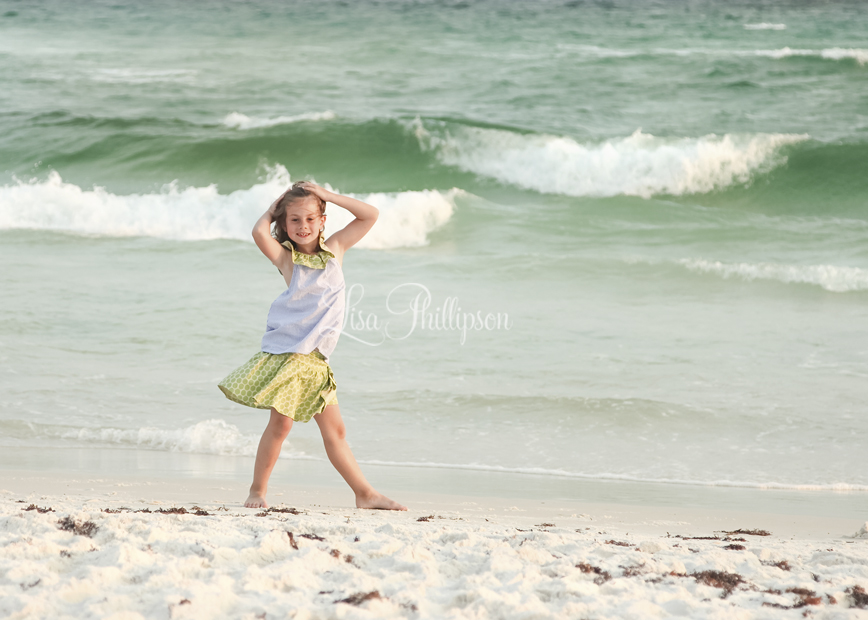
[(648, 519), (131, 548), (138, 464)]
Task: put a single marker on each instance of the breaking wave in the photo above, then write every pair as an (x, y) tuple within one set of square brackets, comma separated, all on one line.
[(830, 277), (201, 213), (236, 120), (638, 165)]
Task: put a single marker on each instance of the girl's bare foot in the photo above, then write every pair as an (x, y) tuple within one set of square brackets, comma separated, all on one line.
[(255, 501), (377, 501)]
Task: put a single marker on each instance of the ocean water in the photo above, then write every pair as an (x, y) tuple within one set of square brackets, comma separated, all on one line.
[(619, 241)]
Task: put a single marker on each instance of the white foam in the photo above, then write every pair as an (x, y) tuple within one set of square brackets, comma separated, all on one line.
[(217, 437), (213, 436), (142, 76), (406, 216), (199, 213), (597, 51), (206, 437), (236, 120), (839, 53), (765, 26), (834, 53), (638, 165), (560, 473), (833, 278)]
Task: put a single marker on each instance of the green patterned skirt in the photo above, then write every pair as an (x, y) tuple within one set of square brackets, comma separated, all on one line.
[(297, 385)]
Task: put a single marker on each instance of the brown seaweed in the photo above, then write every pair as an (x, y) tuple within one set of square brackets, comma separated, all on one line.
[(858, 597), (601, 575), (719, 579), (84, 528), (359, 598), (618, 543)]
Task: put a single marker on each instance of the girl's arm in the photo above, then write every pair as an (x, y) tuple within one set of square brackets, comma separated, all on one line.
[(267, 244), (366, 216)]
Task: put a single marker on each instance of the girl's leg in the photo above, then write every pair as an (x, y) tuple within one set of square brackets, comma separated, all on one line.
[(331, 425), (278, 428)]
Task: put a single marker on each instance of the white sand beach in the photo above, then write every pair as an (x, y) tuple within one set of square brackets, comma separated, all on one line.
[(96, 547)]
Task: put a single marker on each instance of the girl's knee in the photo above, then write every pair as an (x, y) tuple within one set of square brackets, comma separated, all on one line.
[(332, 428), (331, 424), (279, 424), (334, 432)]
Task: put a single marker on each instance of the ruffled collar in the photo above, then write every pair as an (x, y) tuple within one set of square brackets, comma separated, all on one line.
[(314, 261)]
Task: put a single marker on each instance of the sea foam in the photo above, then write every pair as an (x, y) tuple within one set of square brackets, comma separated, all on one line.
[(236, 120), (638, 165), (833, 278), (206, 437), (217, 437), (765, 26), (142, 76), (199, 213), (624, 477), (212, 436), (834, 53)]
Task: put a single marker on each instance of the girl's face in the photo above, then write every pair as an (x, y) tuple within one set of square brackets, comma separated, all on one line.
[(304, 222)]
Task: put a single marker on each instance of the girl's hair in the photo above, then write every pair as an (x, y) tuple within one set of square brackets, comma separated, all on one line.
[(294, 194)]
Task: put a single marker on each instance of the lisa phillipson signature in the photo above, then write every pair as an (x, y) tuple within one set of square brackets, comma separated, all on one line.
[(410, 307)]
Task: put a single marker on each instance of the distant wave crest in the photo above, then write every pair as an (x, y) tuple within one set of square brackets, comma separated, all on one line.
[(200, 213), (236, 120), (765, 26), (830, 277), (834, 53), (131, 75), (638, 165)]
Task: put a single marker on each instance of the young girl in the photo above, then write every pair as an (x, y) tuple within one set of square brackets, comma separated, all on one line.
[(291, 375)]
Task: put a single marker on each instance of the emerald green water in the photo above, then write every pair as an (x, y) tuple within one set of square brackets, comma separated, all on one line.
[(668, 200)]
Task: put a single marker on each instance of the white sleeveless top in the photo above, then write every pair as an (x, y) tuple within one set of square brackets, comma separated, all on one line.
[(309, 314)]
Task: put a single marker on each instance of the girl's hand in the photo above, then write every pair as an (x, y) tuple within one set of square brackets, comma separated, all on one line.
[(315, 189), (273, 206)]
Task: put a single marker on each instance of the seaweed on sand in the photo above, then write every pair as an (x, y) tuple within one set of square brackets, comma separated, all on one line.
[(601, 575), (858, 596), (618, 543), (359, 598), (291, 511), (804, 597), (84, 528), (719, 579)]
